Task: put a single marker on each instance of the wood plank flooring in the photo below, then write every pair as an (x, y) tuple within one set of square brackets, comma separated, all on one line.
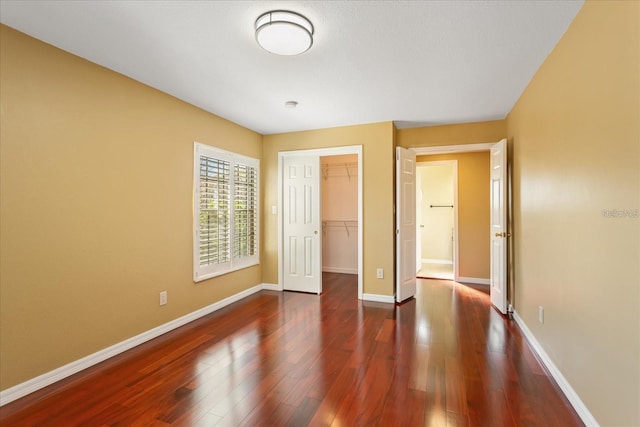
[(431, 270), (445, 358)]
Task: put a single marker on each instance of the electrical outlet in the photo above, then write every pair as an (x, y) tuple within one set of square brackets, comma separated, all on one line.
[(163, 297), (380, 273), (541, 314)]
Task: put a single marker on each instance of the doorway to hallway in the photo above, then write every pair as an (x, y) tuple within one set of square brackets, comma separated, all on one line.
[(436, 206)]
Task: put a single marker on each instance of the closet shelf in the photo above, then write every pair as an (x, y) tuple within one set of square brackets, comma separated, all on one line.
[(341, 223), (334, 170)]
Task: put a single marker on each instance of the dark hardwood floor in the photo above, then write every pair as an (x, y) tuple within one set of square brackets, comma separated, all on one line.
[(445, 358)]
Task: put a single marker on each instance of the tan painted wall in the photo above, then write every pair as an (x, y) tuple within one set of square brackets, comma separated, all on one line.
[(473, 211), (377, 161), (466, 133), (96, 182), (576, 138)]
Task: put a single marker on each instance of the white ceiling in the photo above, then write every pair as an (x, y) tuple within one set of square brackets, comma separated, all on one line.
[(414, 62)]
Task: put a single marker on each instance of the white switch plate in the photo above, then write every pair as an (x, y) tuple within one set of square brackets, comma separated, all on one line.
[(541, 314), (380, 273), (274, 209), (163, 297)]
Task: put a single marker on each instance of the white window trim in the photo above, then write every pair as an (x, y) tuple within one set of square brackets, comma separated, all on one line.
[(201, 273)]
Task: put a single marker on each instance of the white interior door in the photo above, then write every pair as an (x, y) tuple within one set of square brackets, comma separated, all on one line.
[(301, 224), (405, 224), (499, 225), (418, 221)]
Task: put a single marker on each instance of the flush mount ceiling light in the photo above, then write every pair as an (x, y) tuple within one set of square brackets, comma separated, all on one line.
[(284, 32)]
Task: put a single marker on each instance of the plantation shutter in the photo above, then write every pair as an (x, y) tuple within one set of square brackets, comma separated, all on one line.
[(226, 214), (214, 211)]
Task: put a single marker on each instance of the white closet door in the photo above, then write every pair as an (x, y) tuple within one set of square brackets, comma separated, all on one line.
[(301, 224)]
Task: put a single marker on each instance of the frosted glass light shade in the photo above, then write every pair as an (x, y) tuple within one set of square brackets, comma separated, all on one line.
[(283, 32)]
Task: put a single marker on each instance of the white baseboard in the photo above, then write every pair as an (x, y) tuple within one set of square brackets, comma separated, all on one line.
[(379, 298), (564, 385), (271, 287), (474, 280), (436, 261), (48, 378), (340, 270)]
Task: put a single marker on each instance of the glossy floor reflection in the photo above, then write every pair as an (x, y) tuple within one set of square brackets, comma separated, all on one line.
[(445, 358)]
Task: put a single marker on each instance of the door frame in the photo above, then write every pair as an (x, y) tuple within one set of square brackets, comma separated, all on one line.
[(454, 165), (470, 148), (320, 152)]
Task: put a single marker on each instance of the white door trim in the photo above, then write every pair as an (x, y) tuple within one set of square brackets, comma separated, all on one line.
[(466, 148), (454, 163), (449, 149), (321, 152)]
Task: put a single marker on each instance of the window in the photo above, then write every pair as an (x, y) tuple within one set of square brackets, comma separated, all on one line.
[(225, 212)]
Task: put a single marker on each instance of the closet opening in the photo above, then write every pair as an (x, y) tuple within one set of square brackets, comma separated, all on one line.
[(339, 188), (320, 218)]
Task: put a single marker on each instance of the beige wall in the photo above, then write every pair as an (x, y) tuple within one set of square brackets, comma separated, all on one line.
[(473, 211), (466, 133), (96, 182), (377, 162), (576, 138)]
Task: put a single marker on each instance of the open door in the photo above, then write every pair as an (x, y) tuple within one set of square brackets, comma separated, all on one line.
[(418, 220), (301, 224), (499, 226), (405, 224)]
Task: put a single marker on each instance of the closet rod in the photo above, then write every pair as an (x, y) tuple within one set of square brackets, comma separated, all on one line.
[(346, 166)]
